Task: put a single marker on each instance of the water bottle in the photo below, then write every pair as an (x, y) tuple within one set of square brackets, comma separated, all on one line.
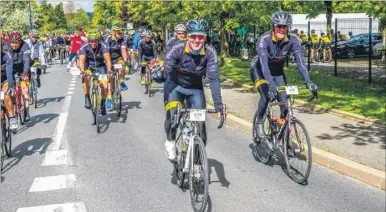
[(185, 135)]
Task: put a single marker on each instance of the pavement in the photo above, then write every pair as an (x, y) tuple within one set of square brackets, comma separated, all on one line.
[(60, 163)]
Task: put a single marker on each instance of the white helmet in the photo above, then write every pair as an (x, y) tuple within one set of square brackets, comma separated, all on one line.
[(180, 27)]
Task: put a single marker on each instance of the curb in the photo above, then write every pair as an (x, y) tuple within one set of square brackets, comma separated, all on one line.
[(334, 162), (318, 108)]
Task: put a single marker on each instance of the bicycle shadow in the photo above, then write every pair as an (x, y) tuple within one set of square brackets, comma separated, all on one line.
[(43, 102), (279, 160), (28, 148), (155, 90), (112, 116), (46, 118)]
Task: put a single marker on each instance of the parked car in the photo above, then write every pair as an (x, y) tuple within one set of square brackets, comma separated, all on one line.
[(377, 49), (356, 46)]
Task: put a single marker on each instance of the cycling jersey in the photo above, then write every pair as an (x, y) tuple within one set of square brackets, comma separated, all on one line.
[(129, 42), (325, 39), (115, 46), (94, 56), (21, 57), (173, 41), (60, 41), (6, 67), (314, 38), (37, 51), (272, 55), (137, 38), (187, 70), (147, 49), (303, 37)]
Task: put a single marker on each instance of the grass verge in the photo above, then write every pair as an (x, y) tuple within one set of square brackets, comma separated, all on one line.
[(334, 92)]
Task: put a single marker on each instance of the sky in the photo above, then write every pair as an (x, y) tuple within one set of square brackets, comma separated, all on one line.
[(87, 5)]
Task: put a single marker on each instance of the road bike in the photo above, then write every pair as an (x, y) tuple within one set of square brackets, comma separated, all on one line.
[(116, 88), (191, 161), (18, 100), (6, 135), (283, 135), (33, 88)]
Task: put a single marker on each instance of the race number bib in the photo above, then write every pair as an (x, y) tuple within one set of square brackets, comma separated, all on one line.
[(292, 90), (117, 66), (2, 95), (197, 115), (33, 70)]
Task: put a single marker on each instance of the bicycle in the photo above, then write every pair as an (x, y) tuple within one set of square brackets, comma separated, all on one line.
[(191, 155), (6, 135), (278, 136), (95, 98), (33, 89), (116, 88), (148, 79), (17, 100)]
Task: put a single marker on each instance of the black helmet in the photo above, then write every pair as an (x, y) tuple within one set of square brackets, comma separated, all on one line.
[(196, 25), (281, 18)]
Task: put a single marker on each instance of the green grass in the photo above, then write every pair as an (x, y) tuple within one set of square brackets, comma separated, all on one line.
[(334, 92)]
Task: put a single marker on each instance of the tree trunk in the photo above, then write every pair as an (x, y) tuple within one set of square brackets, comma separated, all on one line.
[(224, 41), (328, 5)]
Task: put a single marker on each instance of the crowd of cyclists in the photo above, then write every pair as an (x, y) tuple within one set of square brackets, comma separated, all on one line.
[(188, 59)]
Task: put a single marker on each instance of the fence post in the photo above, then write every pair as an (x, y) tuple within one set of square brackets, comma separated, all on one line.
[(309, 46), (335, 49), (370, 47)]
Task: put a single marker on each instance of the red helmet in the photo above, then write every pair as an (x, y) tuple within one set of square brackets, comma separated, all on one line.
[(295, 30), (14, 35)]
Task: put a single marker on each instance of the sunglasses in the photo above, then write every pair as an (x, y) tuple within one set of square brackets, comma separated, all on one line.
[(199, 37), (281, 26), (181, 33)]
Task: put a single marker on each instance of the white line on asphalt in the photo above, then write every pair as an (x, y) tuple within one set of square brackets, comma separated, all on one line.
[(71, 88), (73, 81), (70, 93), (72, 84), (59, 130), (68, 207), (57, 157), (53, 183)]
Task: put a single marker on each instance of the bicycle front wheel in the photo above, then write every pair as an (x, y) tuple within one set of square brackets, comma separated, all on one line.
[(297, 151), (96, 109), (198, 175), (7, 135), (261, 151)]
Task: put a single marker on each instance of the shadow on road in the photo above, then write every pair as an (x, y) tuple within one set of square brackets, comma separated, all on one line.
[(43, 102), (28, 148), (46, 118), (219, 169)]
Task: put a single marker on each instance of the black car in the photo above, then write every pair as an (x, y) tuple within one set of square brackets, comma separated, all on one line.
[(356, 46)]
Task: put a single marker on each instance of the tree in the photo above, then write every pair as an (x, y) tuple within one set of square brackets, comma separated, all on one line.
[(60, 18), (81, 18)]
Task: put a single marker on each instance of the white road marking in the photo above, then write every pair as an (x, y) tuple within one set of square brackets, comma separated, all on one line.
[(71, 88), (72, 84), (57, 157), (67, 207), (59, 130), (70, 92), (53, 183)]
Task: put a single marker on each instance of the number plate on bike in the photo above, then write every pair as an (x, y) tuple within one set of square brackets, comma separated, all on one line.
[(197, 115), (292, 90), (2, 95), (117, 66), (33, 69)]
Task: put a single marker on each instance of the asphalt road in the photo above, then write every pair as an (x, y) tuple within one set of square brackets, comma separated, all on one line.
[(61, 164)]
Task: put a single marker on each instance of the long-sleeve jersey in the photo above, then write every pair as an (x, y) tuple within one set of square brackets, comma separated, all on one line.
[(7, 66), (147, 48), (22, 56), (37, 51)]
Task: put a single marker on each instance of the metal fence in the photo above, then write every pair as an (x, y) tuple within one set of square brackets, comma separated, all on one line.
[(350, 53)]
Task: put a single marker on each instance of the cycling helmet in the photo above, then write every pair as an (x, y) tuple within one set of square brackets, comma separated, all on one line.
[(281, 18), (93, 35), (34, 32), (312, 30), (141, 29), (147, 33), (15, 35), (107, 32), (295, 30), (302, 31), (116, 28), (131, 32), (197, 26), (180, 27), (322, 33)]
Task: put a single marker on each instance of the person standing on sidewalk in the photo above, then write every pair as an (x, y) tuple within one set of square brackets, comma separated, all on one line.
[(267, 69), (76, 43)]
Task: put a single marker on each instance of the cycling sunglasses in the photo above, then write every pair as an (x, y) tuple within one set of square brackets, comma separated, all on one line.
[(281, 26), (197, 36)]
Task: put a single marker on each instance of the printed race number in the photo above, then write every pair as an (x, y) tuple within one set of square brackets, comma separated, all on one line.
[(2, 95), (117, 66), (293, 90), (197, 115)]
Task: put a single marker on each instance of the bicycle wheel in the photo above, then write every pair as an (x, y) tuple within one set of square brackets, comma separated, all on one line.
[(61, 57), (180, 157), (31, 92), (20, 109), (96, 109), (118, 99), (294, 149), (262, 152), (150, 81), (7, 135), (198, 175), (35, 92)]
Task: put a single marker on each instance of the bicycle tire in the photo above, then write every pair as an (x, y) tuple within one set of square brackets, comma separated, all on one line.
[(61, 57), (96, 109), (291, 172), (21, 109), (7, 135), (258, 144), (205, 168), (179, 174), (31, 92), (35, 93), (118, 98)]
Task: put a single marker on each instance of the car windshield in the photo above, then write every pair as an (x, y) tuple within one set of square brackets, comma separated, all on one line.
[(357, 38)]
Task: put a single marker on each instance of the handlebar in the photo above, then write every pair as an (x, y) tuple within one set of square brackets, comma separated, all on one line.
[(282, 89), (184, 110)]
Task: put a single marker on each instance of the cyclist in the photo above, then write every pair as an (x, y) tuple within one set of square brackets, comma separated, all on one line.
[(137, 38), (21, 55), (185, 65), (118, 51), (97, 57), (180, 37), (147, 51), (267, 68), (314, 44), (325, 43), (303, 37), (60, 42), (6, 86), (37, 52), (130, 44)]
